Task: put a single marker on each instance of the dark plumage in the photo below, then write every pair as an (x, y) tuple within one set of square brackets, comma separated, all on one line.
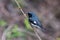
[(34, 21)]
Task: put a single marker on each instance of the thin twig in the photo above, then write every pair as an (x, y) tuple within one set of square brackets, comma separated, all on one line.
[(20, 8), (37, 34)]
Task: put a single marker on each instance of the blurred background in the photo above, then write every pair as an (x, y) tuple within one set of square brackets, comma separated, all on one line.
[(14, 26)]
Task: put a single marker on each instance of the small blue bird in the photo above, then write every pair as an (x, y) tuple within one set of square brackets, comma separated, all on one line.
[(34, 21)]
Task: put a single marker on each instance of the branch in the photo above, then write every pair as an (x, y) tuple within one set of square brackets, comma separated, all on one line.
[(5, 32), (20, 8), (37, 34)]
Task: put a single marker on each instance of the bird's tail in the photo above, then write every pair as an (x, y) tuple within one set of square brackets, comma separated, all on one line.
[(44, 30)]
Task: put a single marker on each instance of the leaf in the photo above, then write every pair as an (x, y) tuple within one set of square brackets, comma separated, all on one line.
[(27, 24), (58, 38), (2, 23), (15, 28), (8, 34), (16, 32)]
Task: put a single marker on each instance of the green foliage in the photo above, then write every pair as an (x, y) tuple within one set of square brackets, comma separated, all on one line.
[(21, 3), (58, 38), (2, 23), (27, 24), (15, 33), (8, 35)]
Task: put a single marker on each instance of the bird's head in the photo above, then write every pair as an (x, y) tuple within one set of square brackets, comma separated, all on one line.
[(31, 14)]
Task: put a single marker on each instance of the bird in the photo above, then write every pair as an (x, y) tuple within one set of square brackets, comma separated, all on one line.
[(34, 20)]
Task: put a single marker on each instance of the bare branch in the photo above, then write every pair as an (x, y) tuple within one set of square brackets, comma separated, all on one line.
[(5, 32)]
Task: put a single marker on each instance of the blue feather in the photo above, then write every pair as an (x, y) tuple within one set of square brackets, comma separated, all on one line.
[(33, 19)]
